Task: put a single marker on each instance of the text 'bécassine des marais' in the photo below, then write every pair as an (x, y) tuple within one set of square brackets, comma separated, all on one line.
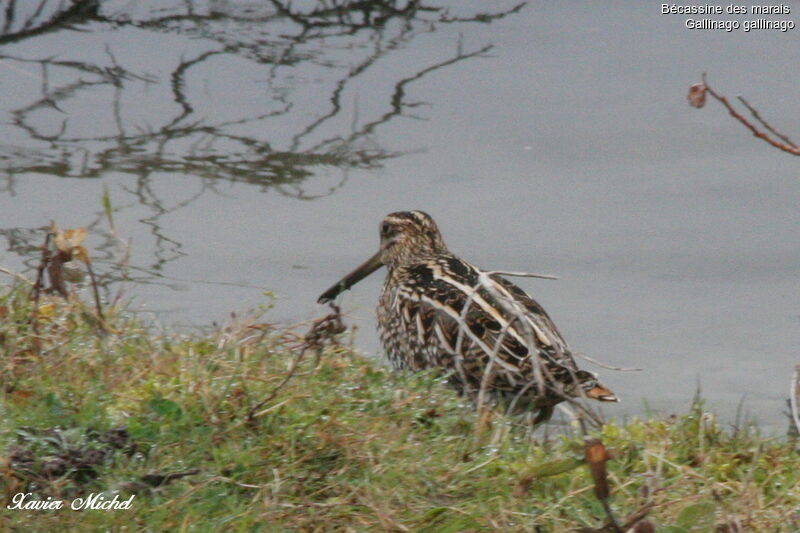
[(762, 11)]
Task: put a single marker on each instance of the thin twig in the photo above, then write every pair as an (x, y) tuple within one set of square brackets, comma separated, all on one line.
[(270, 408), (638, 516), (757, 116), (243, 485), (254, 411), (96, 295), (323, 332), (603, 365), (457, 351)]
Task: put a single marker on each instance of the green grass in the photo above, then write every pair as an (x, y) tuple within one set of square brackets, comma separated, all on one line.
[(345, 445)]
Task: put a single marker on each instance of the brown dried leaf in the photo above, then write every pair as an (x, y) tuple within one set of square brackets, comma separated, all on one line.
[(60, 240), (697, 95), (68, 240), (80, 253), (75, 236)]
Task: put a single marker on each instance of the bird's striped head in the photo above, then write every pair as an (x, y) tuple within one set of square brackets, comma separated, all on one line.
[(406, 236), (409, 236)]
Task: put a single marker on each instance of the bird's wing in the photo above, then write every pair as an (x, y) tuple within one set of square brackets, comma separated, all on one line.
[(464, 322)]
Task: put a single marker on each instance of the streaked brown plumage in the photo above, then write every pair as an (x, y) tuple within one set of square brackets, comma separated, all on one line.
[(438, 311)]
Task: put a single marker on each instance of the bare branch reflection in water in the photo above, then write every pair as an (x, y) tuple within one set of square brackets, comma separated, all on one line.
[(253, 92)]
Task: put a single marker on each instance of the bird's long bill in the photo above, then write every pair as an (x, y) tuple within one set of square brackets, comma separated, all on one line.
[(370, 265)]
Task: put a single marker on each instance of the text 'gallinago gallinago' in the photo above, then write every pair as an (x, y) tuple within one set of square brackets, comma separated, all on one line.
[(438, 311)]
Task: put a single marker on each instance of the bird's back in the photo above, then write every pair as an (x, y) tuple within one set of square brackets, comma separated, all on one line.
[(482, 329)]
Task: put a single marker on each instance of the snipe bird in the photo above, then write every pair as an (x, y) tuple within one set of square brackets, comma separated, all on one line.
[(439, 311)]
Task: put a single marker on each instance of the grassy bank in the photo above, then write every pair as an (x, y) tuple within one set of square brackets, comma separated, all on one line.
[(208, 435)]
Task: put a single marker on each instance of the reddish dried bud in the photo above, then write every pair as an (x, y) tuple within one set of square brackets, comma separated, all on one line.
[(697, 95), (596, 457)]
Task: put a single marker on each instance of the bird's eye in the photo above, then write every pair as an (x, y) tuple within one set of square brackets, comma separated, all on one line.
[(385, 228)]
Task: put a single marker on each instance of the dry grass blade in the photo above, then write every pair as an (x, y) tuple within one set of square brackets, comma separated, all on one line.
[(794, 398), (604, 365), (521, 274), (543, 378), (16, 275)]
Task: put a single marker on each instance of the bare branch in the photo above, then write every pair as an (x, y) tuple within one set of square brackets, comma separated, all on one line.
[(780, 141)]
